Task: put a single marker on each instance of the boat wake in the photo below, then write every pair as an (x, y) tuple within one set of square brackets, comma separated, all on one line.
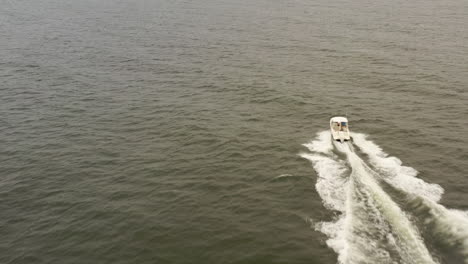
[(371, 227)]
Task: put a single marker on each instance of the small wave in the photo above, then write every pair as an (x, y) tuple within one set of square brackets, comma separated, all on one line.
[(286, 175)]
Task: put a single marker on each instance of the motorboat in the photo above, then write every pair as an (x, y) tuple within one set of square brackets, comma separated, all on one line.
[(339, 128)]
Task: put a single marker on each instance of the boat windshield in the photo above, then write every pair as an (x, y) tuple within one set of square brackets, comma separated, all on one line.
[(340, 126), (344, 126)]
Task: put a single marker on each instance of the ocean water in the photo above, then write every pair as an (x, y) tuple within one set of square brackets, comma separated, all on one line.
[(196, 131)]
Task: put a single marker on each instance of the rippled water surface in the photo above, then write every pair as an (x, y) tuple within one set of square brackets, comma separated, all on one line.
[(186, 131)]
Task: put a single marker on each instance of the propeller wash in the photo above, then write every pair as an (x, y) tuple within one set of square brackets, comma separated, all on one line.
[(370, 226)]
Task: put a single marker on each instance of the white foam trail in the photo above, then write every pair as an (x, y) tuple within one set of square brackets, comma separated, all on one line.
[(323, 143), (331, 183), (336, 191), (447, 224), (409, 243), (450, 225), (402, 177), (347, 234), (338, 231), (332, 186)]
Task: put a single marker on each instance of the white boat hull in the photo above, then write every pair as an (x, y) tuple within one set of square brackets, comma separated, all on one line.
[(339, 129)]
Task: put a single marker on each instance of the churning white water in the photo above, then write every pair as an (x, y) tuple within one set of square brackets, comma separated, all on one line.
[(448, 225), (371, 227)]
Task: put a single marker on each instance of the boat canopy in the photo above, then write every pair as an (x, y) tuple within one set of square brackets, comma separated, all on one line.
[(339, 119)]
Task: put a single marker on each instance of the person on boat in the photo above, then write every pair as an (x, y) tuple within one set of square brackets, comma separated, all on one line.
[(343, 126)]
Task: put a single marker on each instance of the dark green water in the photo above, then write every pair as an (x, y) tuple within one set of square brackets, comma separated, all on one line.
[(169, 131)]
